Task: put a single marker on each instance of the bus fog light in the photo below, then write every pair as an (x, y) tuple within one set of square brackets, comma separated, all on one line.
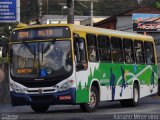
[(66, 85)]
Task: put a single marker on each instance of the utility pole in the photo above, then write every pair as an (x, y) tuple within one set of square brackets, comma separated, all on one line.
[(47, 7), (92, 2), (18, 10), (91, 13), (70, 17), (40, 11)]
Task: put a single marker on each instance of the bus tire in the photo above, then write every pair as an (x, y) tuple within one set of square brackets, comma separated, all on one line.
[(158, 87), (134, 101), (94, 101), (39, 108)]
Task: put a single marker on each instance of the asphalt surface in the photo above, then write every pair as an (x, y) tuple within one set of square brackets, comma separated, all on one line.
[(148, 109)]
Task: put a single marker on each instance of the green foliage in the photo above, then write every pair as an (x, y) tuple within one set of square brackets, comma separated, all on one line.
[(4, 29), (157, 5), (29, 10), (4, 60), (55, 9), (111, 7)]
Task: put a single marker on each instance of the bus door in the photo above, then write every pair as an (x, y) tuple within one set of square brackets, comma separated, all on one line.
[(81, 67)]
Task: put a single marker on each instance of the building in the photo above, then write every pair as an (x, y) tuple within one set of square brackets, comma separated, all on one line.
[(123, 21), (78, 20)]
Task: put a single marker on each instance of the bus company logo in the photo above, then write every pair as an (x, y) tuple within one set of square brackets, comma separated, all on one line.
[(40, 91)]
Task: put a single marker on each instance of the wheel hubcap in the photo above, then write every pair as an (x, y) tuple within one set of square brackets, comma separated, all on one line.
[(93, 99)]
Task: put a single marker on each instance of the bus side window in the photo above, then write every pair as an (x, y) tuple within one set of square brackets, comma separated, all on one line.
[(104, 48), (128, 50), (117, 52), (92, 47), (149, 53), (139, 52)]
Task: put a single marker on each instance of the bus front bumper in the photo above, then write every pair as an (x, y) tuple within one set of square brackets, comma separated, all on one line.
[(65, 97)]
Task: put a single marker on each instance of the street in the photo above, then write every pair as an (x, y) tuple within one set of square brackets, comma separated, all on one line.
[(148, 109), (75, 51)]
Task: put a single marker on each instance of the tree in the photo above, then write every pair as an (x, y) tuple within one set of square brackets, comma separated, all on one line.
[(29, 10), (157, 5)]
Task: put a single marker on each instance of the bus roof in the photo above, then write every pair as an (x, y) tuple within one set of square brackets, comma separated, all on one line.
[(114, 33), (95, 30)]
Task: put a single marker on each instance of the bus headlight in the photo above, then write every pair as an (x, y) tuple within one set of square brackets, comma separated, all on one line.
[(16, 88), (66, 85)]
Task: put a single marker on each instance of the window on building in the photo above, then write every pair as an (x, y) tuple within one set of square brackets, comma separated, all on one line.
[(117, 53), (128, 50), (92, 47), (139, 52), (104, 48), (149, 53)]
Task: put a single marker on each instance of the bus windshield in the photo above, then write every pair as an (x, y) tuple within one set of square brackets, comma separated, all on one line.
[(41, 59)]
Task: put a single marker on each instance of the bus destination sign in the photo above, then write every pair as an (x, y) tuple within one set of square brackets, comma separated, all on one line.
[(41, 33)]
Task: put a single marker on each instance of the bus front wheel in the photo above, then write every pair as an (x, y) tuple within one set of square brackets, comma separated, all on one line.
[(39, 108), (93, 103), (134, 101)]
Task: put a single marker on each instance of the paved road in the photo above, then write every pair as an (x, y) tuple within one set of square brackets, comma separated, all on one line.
[(148, 109)]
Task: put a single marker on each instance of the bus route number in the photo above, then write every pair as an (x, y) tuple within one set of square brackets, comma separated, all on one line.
[(23, 34)]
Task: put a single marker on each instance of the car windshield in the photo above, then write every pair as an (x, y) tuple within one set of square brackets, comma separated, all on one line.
[(41, 59)]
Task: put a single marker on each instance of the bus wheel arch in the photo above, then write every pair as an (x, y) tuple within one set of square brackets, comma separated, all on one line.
[(94, 98), (135, 96), (96, 84), (136, 82)]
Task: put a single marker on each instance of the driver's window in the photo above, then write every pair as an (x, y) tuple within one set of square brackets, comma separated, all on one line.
[(80, 50)]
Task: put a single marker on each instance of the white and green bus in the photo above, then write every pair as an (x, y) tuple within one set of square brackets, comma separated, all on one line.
[(79, 65)]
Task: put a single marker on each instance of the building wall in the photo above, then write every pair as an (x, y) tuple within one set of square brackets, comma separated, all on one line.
[(78, 20), (87, 22), (110, 25), (124, 23)]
